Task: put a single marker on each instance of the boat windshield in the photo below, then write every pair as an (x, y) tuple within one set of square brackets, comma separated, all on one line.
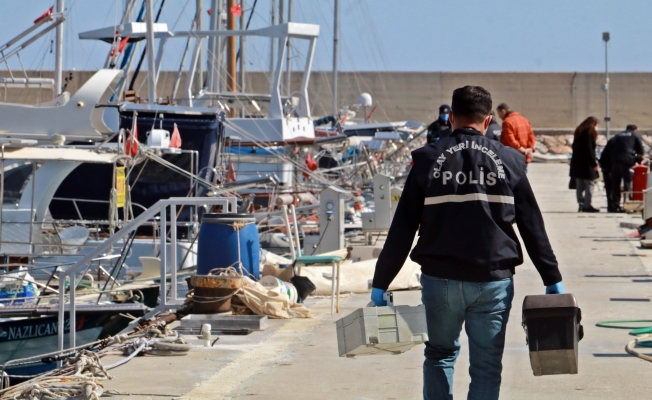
[(16, 176)]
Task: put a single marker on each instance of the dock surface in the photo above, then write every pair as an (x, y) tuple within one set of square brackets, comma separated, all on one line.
[(298, 359)]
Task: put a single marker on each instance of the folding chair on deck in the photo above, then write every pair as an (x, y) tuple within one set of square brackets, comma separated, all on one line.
[(300, 260)]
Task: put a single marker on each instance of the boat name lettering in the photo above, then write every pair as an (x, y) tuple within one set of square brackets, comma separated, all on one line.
[(37, 330)]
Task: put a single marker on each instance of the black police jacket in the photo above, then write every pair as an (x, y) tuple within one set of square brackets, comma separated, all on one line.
[(463, 195), (626, 149), (438, 130), (605, 156)]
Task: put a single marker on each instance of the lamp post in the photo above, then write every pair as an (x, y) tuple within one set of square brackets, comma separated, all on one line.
[(607, 118)]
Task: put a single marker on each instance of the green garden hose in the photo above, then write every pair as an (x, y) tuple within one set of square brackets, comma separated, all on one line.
[(616, 324), (643, 334)]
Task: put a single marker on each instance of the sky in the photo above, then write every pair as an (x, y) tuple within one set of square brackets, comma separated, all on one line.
[(389, 35)]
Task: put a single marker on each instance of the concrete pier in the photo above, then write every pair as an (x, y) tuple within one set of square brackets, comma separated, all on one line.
[(297, 359)]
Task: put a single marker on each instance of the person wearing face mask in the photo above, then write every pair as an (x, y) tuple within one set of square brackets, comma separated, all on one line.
[(494, 131), (441, 128)]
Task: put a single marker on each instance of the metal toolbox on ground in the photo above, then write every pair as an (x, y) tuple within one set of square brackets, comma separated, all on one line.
[(381, 330), (553, 330)]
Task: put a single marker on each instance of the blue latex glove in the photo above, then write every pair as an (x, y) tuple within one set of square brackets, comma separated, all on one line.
[(557, 288), (377, 297)]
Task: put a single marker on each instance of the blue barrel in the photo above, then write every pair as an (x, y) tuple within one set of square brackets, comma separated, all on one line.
[(217, 245)]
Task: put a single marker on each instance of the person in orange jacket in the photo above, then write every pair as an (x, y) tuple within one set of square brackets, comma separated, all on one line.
[(517, 131)]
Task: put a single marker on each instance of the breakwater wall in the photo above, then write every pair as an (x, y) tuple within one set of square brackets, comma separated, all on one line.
[(554, 102)]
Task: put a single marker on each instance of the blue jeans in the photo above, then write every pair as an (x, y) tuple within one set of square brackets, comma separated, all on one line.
[(484, 308)]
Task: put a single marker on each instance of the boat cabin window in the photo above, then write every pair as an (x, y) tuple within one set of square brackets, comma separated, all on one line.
[(153, 172), (15, 180)]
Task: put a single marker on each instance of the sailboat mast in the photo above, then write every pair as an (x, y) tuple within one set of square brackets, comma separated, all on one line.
[(58, 58), (231, 50), (151, 65), (281, 20), (272, 47), (199, 80), (212, 58), (241, 71), (288, 52), (336, 39)]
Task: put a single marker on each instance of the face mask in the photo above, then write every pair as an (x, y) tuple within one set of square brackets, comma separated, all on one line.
[(444, 117)]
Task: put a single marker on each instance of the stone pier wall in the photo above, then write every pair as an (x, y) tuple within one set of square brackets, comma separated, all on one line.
[(554, 102)]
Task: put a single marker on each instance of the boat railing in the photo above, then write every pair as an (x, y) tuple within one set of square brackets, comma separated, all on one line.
[(74, 201), (227, 204), (47, 245), (7, 274)]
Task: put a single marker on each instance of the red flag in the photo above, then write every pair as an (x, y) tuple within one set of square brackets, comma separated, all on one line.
[(209, 11), (230, 175), (131, 145), (45, 15), (237, 10), (310, 164), (121, 47), (372, 112), (123, 43), (175, 140)]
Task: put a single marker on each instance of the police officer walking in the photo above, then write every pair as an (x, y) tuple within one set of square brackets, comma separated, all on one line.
[(441, 128), (626, 150), (463, 195)]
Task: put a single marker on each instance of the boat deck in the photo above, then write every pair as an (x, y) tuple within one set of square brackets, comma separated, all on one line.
[(52, 309)]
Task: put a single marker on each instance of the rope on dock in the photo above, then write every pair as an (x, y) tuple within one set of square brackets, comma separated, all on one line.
[(643, 341)]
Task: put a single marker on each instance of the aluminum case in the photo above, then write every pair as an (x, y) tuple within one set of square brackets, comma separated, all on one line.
[(381, 330)]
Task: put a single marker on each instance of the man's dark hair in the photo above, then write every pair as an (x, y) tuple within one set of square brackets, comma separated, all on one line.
[(472, 103), (504, 107), (631, 127)]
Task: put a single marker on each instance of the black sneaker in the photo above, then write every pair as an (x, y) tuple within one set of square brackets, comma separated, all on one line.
[(590, 209)]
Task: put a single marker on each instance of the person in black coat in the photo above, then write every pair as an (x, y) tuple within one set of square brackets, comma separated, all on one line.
[(441, 128), (584, 164), (626, 151), (494, 131), (605, 166)]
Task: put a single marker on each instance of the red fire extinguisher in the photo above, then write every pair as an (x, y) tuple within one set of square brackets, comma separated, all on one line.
[(639, 181)]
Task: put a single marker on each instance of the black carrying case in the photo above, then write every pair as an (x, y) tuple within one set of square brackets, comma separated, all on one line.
[(553, 330)]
